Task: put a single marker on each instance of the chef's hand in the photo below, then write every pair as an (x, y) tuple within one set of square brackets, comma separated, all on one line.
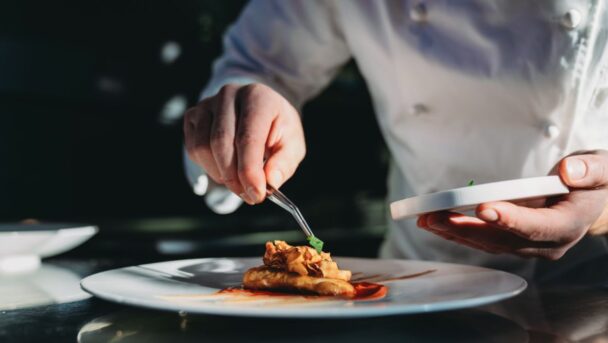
[(547, 231), (244, 137)]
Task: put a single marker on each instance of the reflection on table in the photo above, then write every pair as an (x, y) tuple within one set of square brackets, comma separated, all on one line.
[(151, 326), (562, 314)]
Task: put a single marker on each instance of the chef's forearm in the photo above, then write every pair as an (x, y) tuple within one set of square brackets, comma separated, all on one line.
[(260, 48)]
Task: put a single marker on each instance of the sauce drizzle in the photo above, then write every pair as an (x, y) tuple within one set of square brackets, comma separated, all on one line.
[(387, 278)]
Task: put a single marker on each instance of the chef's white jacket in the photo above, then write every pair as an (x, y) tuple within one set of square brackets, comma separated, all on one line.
[(487, 90)]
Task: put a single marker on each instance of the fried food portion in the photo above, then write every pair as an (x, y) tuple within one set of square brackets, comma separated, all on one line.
[(302, 260), (264, 277), (299, 268)]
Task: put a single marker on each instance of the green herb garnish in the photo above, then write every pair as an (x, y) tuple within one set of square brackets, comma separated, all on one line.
[(315, 243), (471, 183)]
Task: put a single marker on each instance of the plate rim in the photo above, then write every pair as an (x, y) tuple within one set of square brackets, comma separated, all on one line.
[(59, 227)]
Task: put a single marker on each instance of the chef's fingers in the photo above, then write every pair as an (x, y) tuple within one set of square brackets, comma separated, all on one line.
[(533, 203), (286, 149), (257, 107), (456, 239), (445, 232), (469, 231), (562, 223), (423, 220), (585, 171), (488, 237), (223, 129), (197, 126)]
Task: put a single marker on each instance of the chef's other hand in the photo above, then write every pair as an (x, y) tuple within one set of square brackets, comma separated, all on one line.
[(245, 137), (547, 231)]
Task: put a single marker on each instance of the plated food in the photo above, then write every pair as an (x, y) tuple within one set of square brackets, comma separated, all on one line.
[(302, 269)]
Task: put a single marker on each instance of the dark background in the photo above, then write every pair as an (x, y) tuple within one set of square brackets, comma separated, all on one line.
[(83, 137)]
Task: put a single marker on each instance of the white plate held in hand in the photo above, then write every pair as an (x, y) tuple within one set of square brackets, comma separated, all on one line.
[(466, 198)]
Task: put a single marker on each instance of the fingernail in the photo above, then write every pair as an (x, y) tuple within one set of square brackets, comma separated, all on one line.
[(275, 178), (252, 194), (489, 215), (576, 168)]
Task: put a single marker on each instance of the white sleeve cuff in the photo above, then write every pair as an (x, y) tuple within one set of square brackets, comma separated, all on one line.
[(219, 199)]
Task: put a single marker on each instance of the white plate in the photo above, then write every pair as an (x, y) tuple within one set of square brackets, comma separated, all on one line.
[(49, 284), (467, 198), (22, 245), (192, 286)]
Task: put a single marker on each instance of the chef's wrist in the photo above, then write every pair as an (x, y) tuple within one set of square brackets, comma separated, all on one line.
[(600, 227), (588, 170)]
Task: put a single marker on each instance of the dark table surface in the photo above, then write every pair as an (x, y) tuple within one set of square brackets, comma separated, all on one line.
[(31, 310)]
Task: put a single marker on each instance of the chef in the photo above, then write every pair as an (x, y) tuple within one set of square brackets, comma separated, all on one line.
[(481, 89)]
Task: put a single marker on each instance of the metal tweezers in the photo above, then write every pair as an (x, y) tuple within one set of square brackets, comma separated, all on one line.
[(280, 199)]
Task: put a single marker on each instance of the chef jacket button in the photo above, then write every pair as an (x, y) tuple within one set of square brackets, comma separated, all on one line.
[(551, 130), (419, 109), (418, 12), (571, 19)]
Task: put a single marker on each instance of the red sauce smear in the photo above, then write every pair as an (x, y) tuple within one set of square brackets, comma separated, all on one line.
[(363, 291), (369, 291)]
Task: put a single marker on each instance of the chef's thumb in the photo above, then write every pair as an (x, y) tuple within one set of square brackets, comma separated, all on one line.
[(280, 166), (585, 171)]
